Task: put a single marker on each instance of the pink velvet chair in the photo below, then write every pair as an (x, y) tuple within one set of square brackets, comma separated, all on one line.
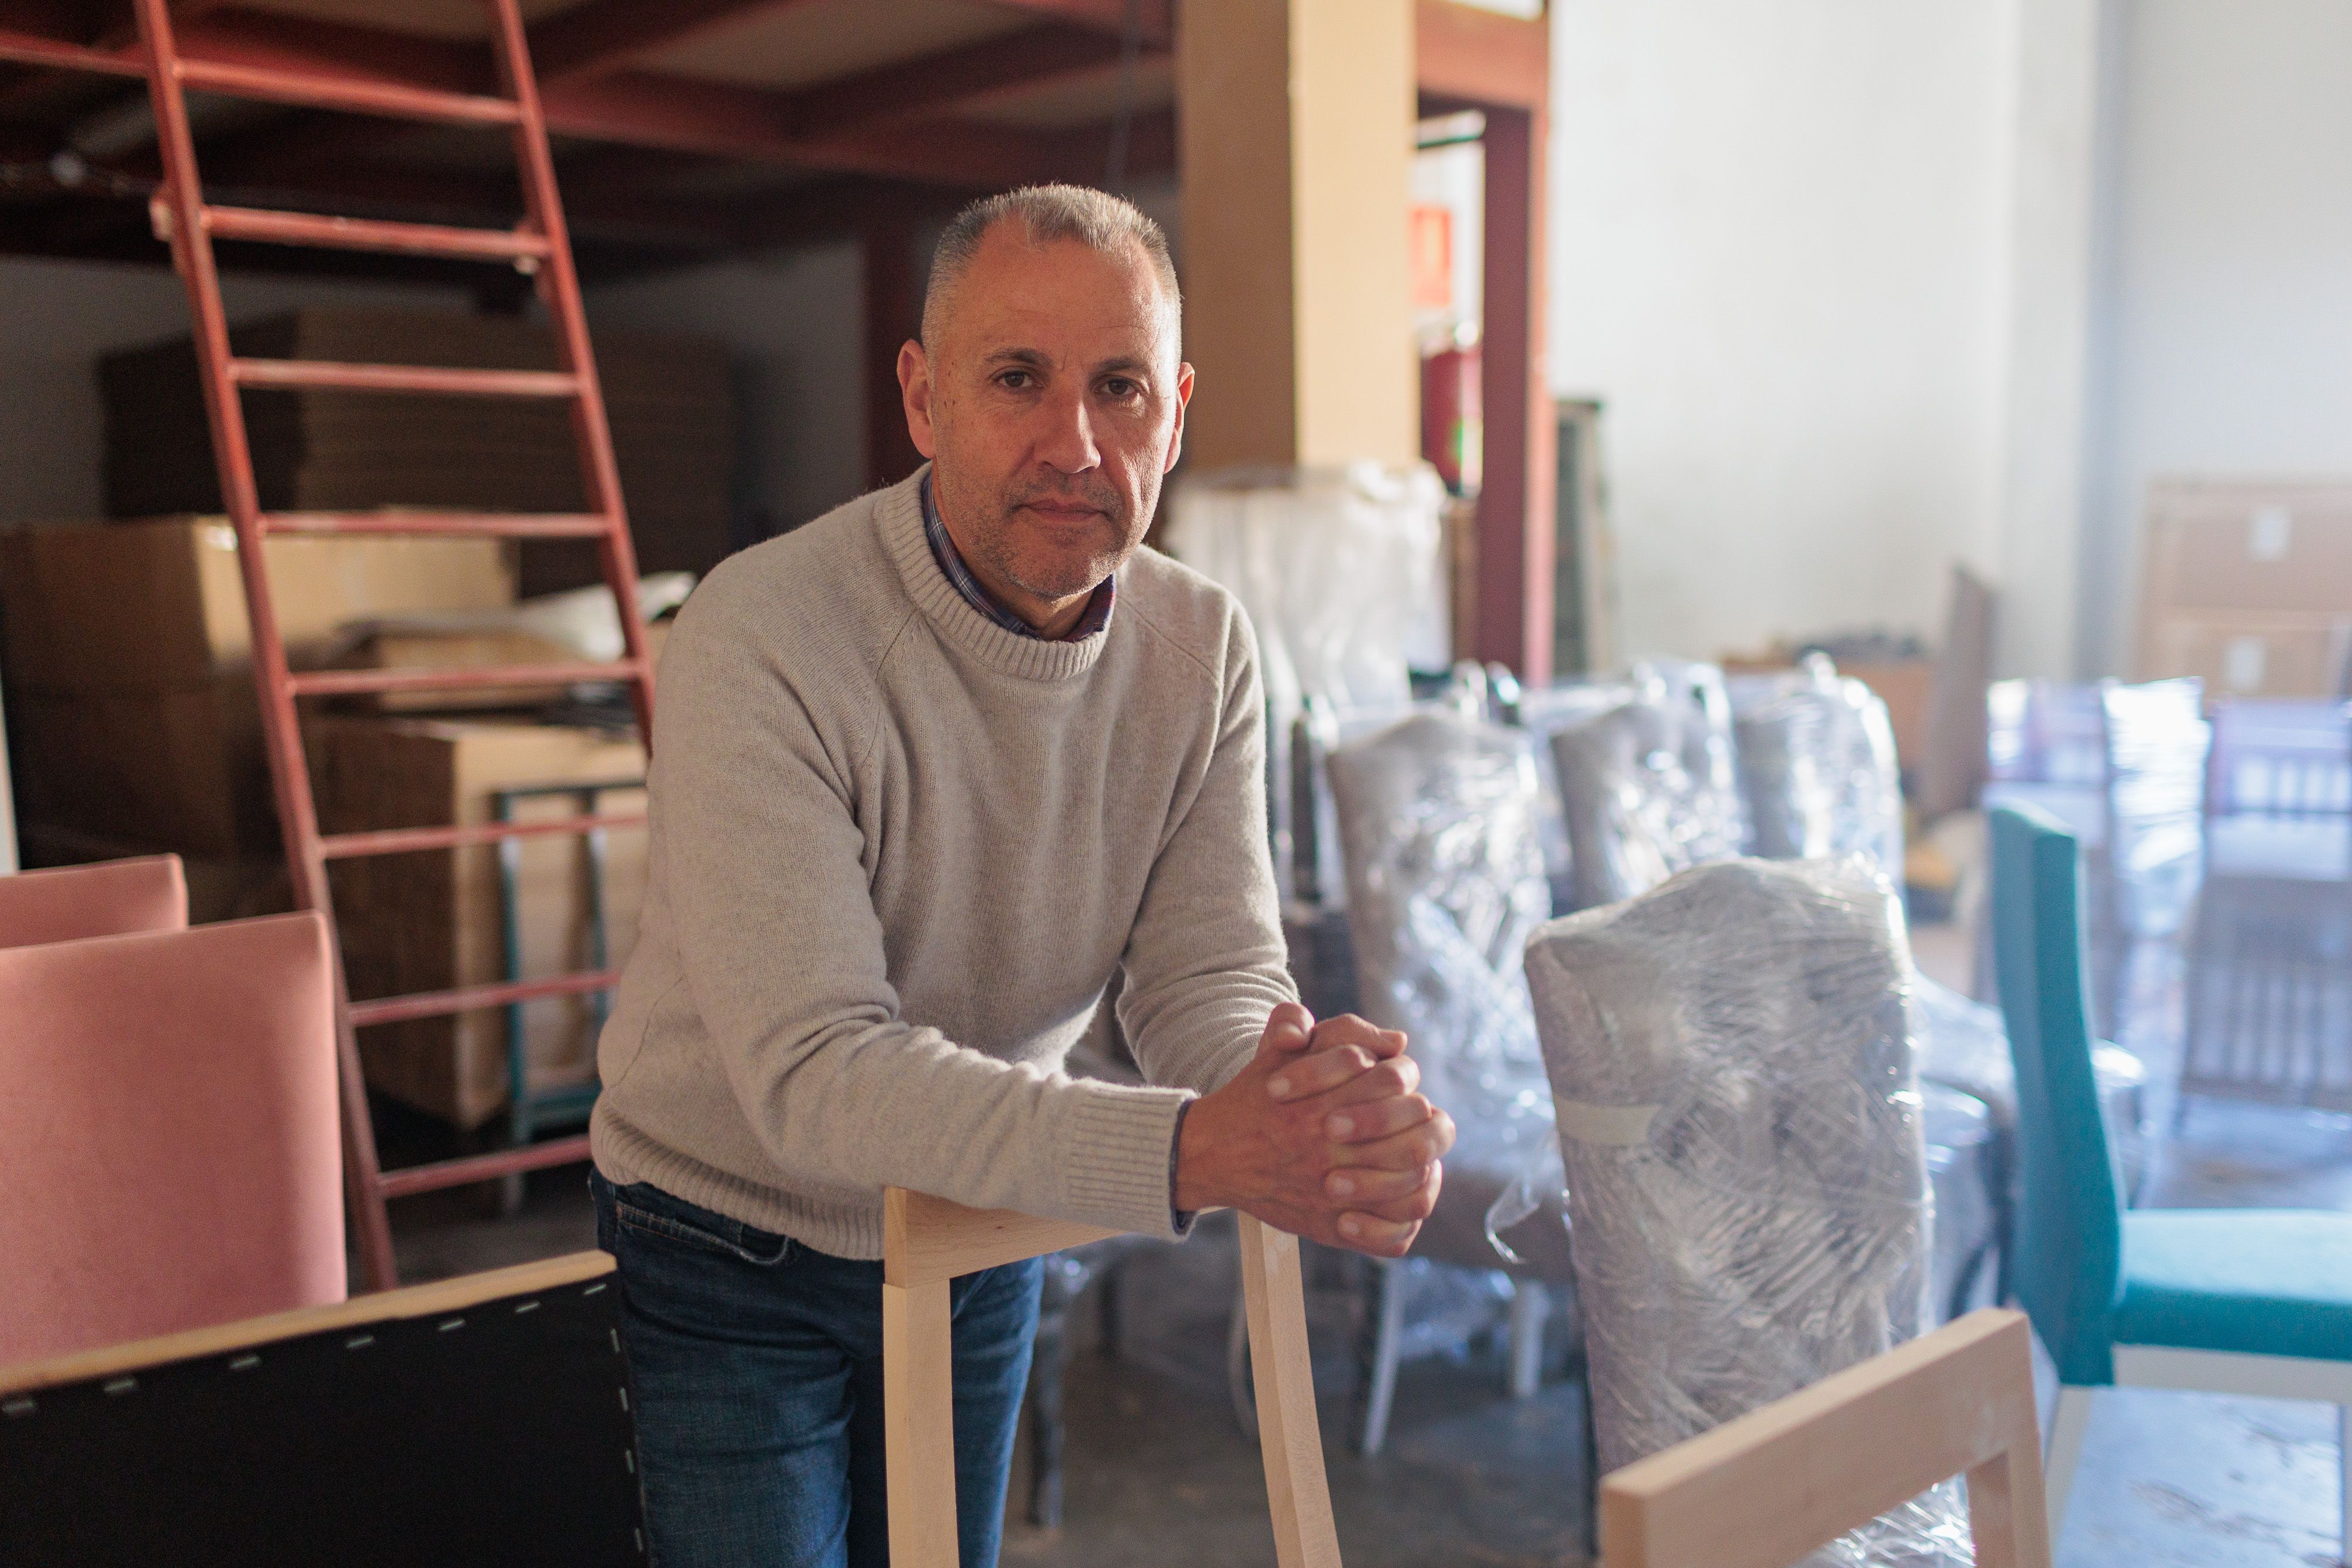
[(107, 899), (168, 1134)]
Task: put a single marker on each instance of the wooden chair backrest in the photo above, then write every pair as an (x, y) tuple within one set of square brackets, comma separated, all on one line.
[(1765, 1490), (927, 1241)]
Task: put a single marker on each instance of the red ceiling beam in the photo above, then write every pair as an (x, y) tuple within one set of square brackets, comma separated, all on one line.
[(926, 86), (728, 121), (1481, 58), (606, 35), (715, 119), (1157, 17)]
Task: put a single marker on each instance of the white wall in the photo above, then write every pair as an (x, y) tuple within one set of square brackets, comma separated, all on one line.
[(1777, 243), (57, 317), (793, 321), (2229, 343)]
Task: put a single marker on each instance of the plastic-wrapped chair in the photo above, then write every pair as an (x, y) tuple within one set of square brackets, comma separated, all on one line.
[(2270, 957), (111, 898), (1647, 785), (2121, 766), (1543, 713), (1437, 819), (1818, 769), (1731, 1064)]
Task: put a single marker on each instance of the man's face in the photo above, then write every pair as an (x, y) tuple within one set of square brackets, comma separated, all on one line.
[(1051, 404)]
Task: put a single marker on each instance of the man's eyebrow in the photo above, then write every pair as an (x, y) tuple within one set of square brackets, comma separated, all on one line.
[(1125, 365), (1029, 359)]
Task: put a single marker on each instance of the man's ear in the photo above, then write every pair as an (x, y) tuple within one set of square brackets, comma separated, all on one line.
[(915, 390), (1176, 435)]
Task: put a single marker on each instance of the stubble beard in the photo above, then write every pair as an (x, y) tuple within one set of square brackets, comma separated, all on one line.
[(1056, 574)]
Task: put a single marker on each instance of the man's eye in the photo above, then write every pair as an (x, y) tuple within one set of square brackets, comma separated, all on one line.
[(1120, 387), (1016, 381)]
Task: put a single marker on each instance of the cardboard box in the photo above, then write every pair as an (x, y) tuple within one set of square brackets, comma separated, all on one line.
[(176, 767), (139, 605), (426, 922), (470, 650), (2251, 656), (128, 656), (2240, 545)]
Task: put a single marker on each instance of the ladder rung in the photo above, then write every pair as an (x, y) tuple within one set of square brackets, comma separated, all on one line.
[(360, 95), (369, 233), (403, 378), (402, 841), (484, 525), (469, 999), (357, 682), (471, 1168)]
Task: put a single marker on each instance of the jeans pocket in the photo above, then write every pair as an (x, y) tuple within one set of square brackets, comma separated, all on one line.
[(682, 1224)]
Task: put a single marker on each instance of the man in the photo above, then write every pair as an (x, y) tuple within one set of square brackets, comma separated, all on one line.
[(929, 772)]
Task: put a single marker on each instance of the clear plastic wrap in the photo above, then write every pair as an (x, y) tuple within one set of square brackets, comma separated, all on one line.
[(1337, 568), (1437, 823), (1818, 766), (1339, 572), (1731, 1060), (1647, 786), (2156, 739), (1544, 712)]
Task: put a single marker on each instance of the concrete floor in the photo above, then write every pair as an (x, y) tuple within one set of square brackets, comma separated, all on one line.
[(1160, 1471)]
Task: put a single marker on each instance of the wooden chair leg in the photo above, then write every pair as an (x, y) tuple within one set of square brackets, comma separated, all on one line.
[(919, 1424), (1288, 1438), (2008, 1511)]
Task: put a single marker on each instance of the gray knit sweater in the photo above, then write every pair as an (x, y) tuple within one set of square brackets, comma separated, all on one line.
[(897, 852)]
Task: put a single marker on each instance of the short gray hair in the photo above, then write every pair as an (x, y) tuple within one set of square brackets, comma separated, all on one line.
[(1095, 219)]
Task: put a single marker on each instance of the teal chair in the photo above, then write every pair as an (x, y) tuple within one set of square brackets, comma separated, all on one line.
[(2249, 1302)]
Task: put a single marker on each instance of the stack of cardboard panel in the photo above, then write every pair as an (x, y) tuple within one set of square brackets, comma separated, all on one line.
[(425, 921), (670, 399), (2248, 585), (132, 716)]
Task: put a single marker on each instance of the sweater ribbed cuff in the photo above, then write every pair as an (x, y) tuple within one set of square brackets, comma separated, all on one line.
[(1115, 1153)]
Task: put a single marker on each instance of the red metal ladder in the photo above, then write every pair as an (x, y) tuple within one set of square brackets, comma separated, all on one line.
[(538, 244)]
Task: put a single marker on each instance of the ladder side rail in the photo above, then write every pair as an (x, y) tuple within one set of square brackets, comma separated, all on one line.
[(233, 457), (558, 287)]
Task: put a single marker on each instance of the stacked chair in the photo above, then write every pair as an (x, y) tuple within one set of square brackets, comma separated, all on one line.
[(2270, 954), (1451, 828), (2122, 767), (2251, 1301), (169, 1112), (1436, 817), (1732, 1057)]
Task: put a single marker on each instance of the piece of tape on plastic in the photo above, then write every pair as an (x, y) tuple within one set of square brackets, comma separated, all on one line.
[(1619, 1126)]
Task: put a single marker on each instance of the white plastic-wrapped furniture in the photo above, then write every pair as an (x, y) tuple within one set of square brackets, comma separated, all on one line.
[(1731, 1064), (1818, 769), (1647, 786), (1436, 817)]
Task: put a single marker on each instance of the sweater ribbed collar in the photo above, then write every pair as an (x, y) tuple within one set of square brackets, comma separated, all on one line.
[(899, 517)]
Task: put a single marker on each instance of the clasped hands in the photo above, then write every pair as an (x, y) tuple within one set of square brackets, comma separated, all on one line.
[(1324, 1134)]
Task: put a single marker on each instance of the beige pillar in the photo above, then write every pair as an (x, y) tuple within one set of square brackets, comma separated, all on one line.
[(1296, 132)]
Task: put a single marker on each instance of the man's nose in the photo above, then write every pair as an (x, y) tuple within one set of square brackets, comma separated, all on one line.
[(1067, 442)]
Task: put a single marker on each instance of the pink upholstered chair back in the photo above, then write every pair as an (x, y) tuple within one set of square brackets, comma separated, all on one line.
[(169, 1149), (107, 899)]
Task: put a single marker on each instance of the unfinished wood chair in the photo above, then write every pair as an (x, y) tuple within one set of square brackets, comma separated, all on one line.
[(1793, 1476), (927, 1241)]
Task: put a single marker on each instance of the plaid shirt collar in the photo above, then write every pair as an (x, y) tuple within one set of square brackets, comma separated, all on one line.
[(1096, 617)]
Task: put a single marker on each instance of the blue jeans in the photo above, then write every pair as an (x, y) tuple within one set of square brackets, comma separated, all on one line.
[(755, 1371)]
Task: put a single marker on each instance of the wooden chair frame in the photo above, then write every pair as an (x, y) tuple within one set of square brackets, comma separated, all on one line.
[(1763, 1490), (927, 1241)]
